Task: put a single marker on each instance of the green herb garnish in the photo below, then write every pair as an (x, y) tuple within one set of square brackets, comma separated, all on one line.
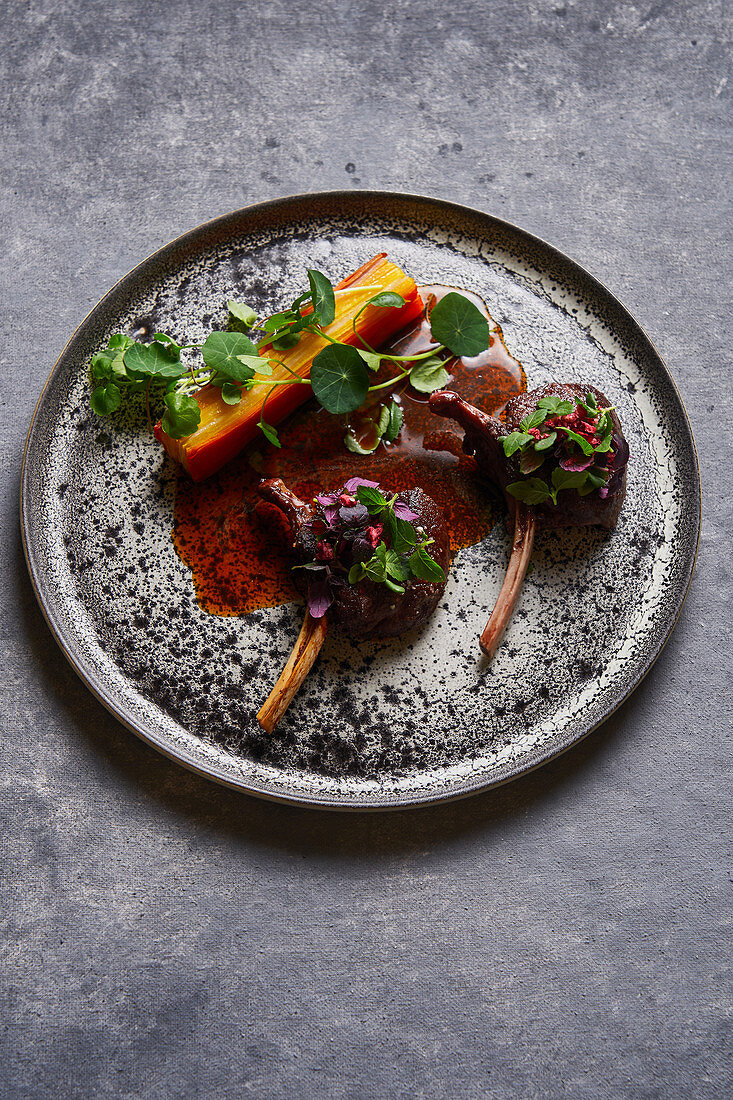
[(168, 372), (575, 440)]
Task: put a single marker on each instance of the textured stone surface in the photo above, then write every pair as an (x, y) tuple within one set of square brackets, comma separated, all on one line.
[(563, 936)]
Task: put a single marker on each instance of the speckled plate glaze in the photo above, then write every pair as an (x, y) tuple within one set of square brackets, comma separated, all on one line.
[(397, 723)]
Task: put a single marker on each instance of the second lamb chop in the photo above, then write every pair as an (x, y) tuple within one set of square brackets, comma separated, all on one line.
[(559, 456)]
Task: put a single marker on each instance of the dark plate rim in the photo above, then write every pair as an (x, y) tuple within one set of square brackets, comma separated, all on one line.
[(559, 744)]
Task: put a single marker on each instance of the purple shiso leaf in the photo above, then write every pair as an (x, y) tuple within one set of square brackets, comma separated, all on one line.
[(353, 514), (353, 484), (329, 505), (362, 549), (320, 597), (403, 512), (577, 463)]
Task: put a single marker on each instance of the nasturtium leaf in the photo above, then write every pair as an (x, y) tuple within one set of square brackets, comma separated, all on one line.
[(371, 358), (105, 399), (109, 362), (460, 325), (424, 568), (285, 342), (102, 365), (270, 433), (324, 300), (339, 378), (154, 360), (258, 363), (231, 394), (394, 423), (531, 491), (512, 442), (182, 415), (240, 311), (221, 353), (164, 338), (387, 299), (429, 375)]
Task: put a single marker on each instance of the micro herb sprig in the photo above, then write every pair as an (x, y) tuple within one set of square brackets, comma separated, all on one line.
[(235, 363), (358, 534), (576, 437)]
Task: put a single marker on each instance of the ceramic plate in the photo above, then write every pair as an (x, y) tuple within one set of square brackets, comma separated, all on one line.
[(407, 721)]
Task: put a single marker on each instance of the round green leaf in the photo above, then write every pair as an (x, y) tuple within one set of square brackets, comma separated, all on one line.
[(105, 399), (339, 378), (460, 325), (154, 360), (182, 415), (221, 352), (231, 394)]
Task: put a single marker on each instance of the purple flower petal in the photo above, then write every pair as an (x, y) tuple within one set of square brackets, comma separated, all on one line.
[(320, 597), (353, 484), (403, 512)]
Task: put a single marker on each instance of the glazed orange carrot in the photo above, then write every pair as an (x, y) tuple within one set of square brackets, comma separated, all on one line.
[(225, 429)]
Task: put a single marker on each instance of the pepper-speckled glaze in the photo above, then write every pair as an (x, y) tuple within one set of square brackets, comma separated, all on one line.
[(399, 722)]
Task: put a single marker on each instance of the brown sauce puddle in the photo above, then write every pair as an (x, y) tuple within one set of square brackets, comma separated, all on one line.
[(237, 546)]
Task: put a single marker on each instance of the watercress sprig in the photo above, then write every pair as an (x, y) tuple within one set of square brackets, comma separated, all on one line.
[(236, 362)]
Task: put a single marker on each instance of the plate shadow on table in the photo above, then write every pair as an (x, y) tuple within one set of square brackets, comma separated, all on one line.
[(114, 754)]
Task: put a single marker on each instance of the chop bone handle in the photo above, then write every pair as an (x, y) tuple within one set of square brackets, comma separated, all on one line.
[(524, 528), (311, 638), (313, 631), (483, 438)]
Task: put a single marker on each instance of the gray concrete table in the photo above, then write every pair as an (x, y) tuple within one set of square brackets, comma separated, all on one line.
[(561, 937)]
